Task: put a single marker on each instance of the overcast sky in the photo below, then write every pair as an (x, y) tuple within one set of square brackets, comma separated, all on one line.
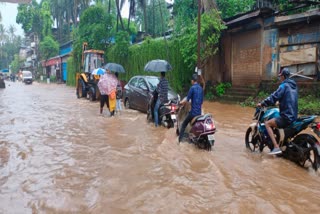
[(9, 12)]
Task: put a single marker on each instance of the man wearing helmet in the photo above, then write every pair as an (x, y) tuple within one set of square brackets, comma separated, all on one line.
[(287, 95), (195, 94)]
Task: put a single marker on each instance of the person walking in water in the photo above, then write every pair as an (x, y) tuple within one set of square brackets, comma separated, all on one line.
[(118, 95)]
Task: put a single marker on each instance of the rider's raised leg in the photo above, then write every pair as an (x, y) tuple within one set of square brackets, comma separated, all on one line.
[(269, 125)]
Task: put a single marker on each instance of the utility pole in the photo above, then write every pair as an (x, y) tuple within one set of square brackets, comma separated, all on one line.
[(199, 27), (199, 71)]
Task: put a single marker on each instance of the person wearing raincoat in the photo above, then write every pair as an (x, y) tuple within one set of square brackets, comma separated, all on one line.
[(107, 85), (112, 95)]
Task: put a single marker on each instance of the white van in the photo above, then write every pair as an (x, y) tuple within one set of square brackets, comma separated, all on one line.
[(27, 77)]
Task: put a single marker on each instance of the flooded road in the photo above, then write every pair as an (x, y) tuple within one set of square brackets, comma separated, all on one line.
[(58, 155)]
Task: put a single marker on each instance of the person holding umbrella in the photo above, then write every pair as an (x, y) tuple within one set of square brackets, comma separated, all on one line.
[(162, 90), (107, 86), (112, 95)]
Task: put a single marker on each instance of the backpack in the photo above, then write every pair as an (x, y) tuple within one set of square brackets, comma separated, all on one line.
[(119, 91)]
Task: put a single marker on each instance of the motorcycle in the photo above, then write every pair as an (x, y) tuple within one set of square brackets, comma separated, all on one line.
[(167, 112), (202, 129), (301, 148)]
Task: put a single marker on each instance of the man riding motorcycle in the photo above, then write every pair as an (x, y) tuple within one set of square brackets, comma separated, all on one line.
[(195, 94), (162, 90), (287, 95)]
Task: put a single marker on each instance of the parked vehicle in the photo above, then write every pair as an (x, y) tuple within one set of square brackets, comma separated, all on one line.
[(86, 83), (138, 92), (2, 83), (167, 111), (301, 148), (201, 129), (27, 77)]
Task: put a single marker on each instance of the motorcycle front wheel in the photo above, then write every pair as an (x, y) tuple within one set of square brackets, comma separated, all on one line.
[(310, 157), (252, 142)]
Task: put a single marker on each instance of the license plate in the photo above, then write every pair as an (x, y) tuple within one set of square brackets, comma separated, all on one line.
[(210, 137), (173, 116)]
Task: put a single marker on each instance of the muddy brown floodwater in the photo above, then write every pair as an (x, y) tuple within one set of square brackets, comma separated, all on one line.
[(58, 155)]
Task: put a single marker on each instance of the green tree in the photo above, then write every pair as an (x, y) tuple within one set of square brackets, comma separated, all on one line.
[(29, 16), (16, 64), (211, 27), (140, 13), (95, 28), (121, 47), (48, 48), (47, 22), (185, 12), (158, 19), (9, 45), (231, 8)]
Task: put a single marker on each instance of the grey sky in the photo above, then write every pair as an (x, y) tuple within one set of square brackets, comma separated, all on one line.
[(9, 12)]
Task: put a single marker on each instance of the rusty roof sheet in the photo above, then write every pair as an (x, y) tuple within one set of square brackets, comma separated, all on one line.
[(297, 17)]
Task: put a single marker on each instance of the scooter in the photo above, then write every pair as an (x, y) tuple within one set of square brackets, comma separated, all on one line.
[(167, 111), (202, 129)]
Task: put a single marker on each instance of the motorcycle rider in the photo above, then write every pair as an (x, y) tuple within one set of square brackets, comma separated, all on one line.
[(287, 95), (195, 94), (162, 89)]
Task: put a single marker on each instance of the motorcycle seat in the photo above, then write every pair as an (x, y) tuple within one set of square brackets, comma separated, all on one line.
[(200, 117)]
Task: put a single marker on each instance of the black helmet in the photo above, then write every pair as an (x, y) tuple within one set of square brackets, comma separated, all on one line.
[(284, 72), (194, 77)]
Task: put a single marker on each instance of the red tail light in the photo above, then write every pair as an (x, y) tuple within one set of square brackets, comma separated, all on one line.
[(173, 108), (318, 126), (209, 125)]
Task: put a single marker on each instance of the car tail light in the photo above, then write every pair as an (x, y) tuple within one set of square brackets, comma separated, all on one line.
[(318, 126)]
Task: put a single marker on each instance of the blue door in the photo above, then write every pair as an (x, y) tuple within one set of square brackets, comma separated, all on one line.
[(64, 71)]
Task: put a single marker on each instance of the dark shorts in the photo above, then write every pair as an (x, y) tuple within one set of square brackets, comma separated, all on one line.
[(282, 122), (104, 99)]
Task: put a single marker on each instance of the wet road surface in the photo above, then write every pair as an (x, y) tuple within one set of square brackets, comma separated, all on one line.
[(58, 155)]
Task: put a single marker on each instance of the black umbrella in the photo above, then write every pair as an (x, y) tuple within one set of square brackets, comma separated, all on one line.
[(114, 67), (158, 65)]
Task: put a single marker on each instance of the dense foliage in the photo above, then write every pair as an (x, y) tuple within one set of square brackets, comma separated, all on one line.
[(48, 48), (231, 8), (94, 29), (10, 44)]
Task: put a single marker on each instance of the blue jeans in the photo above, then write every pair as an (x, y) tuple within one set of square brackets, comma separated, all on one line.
[(118, 105), (155, 112)]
